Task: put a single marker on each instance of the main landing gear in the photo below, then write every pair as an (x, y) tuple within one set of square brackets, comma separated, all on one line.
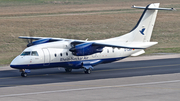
[(87, 71), (68, 70)]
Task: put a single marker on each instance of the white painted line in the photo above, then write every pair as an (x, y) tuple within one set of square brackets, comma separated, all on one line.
[(90, 88)]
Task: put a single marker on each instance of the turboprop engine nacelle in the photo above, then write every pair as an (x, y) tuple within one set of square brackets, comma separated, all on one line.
[(86, 49)]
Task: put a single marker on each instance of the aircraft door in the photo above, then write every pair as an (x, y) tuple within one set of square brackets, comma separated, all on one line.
[(46, 57)]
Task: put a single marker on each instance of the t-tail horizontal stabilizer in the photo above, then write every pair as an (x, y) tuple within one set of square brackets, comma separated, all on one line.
[(138, 7)]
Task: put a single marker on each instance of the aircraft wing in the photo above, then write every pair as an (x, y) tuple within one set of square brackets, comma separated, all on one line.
[(91, 47), (130, 45), (51, 38), (116, 44), (38, 38)]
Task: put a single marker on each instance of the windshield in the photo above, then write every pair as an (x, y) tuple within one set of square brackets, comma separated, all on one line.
[(25, 53), (28, 53)]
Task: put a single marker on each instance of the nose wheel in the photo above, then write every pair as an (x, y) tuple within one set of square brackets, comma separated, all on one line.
[(23, 74)]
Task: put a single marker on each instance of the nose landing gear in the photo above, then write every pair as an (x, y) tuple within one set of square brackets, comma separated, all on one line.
[(24, 72)]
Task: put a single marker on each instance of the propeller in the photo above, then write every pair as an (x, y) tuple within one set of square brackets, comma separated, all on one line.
[(73, 49), (29, 41)]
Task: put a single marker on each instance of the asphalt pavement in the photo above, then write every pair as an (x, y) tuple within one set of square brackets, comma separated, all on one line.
[(144, 80)]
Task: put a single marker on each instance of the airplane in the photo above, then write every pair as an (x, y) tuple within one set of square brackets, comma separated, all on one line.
[(46, 52)]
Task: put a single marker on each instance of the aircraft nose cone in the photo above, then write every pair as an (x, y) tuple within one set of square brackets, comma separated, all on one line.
[(14, 63)]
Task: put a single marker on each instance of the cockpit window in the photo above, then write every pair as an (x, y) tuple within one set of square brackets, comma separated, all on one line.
[(34, 53), (25, 53), (28, 53)]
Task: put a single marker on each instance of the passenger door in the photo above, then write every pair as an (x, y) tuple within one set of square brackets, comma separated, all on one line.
[(46, 57)]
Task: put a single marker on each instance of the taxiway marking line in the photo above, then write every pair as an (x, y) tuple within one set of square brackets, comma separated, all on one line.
[(90, 88), (102, 70)]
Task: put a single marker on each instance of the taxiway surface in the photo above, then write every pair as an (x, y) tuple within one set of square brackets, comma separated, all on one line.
[(129, 80)]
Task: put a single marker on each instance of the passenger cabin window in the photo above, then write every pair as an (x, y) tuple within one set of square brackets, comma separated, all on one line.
[(66, 53), (34, 53), (25, 53)]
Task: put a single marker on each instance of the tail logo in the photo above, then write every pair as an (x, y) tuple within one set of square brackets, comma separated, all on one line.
[(142, 31)]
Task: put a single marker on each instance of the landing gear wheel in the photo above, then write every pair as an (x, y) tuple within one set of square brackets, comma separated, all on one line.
[(87, 71), (24, 74), (68, 70)]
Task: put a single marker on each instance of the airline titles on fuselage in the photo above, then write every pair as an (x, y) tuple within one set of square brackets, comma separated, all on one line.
[(74, 59)]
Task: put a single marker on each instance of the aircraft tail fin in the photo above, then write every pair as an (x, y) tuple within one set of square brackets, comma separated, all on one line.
[(143, 30)]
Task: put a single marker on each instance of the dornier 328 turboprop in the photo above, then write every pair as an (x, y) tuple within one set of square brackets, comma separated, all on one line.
[(82, 54)]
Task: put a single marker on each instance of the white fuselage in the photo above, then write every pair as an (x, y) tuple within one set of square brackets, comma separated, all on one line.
[(57, 54)]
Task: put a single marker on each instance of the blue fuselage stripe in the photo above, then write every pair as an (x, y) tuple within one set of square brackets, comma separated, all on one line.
[(66, 64)]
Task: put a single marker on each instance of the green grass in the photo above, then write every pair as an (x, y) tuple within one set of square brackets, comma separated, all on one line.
[(59, 2), (75, 12), (163, 50), (6, 61)]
